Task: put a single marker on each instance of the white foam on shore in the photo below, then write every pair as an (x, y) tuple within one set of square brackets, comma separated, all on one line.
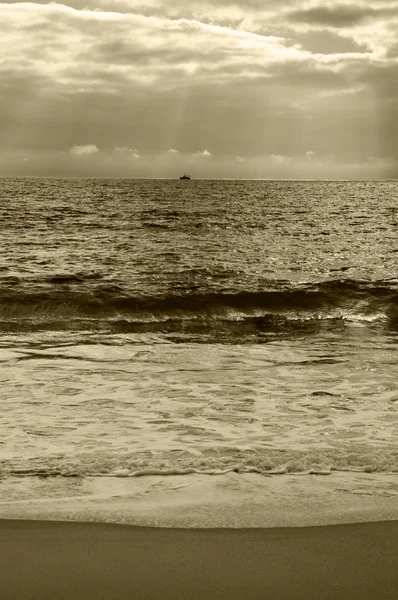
[(194, 500)]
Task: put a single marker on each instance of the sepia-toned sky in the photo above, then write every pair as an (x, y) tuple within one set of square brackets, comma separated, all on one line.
[(152, 88)]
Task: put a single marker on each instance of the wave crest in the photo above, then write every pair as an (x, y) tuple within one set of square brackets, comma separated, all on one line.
[(265, 310)]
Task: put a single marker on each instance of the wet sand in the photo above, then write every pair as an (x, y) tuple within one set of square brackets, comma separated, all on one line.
[(83, 561)]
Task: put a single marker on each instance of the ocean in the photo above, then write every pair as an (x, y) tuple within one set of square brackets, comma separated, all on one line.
[(165, 327)]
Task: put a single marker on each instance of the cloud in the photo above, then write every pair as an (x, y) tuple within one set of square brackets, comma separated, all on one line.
[(279, 159), (90, 51), (240, 159), (111, 164), (84, 150), (340, 15), (324, 41), (288, 76), (125, 150), (202, 153), (87, 51)]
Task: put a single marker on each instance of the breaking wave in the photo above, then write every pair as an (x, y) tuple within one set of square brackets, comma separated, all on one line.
[(63, 306), (356, 458)]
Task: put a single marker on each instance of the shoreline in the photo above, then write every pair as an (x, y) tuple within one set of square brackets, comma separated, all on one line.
[(47, 560), (201, 501)]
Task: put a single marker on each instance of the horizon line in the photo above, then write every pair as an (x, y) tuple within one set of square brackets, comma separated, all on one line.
[(177, 178)]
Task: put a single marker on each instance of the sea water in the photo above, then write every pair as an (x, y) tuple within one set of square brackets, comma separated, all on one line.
[(159, 327)]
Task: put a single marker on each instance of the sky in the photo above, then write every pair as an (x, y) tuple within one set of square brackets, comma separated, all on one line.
[(216, 88)]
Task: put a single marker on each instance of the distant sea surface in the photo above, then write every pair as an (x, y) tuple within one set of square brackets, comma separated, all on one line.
[(157, 326)]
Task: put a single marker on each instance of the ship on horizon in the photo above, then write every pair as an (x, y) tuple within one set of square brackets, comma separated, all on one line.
[(185, 176)]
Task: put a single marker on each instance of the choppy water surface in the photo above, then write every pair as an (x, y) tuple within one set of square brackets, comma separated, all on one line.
[(209, 325)]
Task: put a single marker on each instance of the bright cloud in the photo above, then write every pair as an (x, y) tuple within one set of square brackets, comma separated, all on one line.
[(202, 153), (125, 149), (84, 150), (279, 159)]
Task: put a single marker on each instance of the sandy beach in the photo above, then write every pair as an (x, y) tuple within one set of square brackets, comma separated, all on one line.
[(48, 560)]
